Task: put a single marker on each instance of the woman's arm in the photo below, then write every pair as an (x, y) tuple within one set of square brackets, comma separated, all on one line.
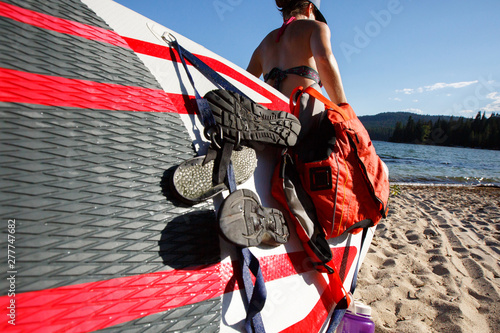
[(255, 65), (327, 65)]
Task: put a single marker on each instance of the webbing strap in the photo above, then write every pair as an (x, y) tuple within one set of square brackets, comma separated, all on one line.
[(336, 285), (256, 295), (355, 277), (346, 114), (337, 316), (207, 117), (223, 167), (206, 70), (340, 309), (319, 96)]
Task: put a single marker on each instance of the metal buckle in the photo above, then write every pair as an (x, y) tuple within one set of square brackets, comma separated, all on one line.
[(214, 135), (170, 39)]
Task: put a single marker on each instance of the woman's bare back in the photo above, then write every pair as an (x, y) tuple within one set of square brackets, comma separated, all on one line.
[(303, 43)]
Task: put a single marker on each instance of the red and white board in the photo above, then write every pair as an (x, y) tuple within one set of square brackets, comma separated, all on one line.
[(96, 108)]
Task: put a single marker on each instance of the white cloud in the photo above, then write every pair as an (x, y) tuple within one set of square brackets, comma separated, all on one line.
[(406, 91), (495, 105), (397, 99), (455, 85), (436, 86)]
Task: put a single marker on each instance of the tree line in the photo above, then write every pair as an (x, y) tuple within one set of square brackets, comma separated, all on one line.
[(478, 132)]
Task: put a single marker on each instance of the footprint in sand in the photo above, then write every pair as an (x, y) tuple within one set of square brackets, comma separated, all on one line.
[(389, 263), (475, 270), (440, 270), (430, 232), (439, 265), (437, 259), (396, 246), (412, 235)]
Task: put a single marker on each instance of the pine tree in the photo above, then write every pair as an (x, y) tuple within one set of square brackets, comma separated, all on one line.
[(397, 135), (477, 132)]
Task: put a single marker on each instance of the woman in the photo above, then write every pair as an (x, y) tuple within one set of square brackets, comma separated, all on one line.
[(299, 53)]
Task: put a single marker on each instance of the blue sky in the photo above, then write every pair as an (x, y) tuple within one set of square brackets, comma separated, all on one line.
[(424, 56)]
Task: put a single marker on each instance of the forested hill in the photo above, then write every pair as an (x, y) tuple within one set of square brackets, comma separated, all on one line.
[(405, 127), (381, 126)]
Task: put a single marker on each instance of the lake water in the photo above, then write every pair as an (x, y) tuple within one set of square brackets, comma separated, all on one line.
[(419, 164)]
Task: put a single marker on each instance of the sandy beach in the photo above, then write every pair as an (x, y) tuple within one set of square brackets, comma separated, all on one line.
[(434, 264)]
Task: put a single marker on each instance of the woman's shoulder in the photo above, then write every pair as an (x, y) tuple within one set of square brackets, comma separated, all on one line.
[(306, 28), (271, 36), (298, 31), (269, 40), (311, 24)]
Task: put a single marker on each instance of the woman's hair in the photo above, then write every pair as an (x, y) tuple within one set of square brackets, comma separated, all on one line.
[(293, 7)]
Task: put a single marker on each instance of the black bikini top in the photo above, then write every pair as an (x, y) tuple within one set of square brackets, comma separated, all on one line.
[(279, 75)]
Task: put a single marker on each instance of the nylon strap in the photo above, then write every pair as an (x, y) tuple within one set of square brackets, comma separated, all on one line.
[(355, 278), (255, 294), (207, 117), (336, 285), (340, 309), (222, 165), (207, 71), (335, 320), (339, 112)]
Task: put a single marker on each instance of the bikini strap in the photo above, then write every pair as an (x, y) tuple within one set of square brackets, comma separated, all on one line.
[(305, 71), (277, 75), (283, 27)]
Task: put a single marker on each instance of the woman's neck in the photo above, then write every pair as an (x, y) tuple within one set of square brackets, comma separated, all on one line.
[(298, 17)]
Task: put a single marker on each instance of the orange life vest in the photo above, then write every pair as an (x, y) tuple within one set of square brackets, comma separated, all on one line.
[(344, 191)]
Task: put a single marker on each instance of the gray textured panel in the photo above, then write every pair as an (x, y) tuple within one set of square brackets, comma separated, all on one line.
[(83, 200), (66, 9), (47, 52), (202, 317), (88, 187)]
